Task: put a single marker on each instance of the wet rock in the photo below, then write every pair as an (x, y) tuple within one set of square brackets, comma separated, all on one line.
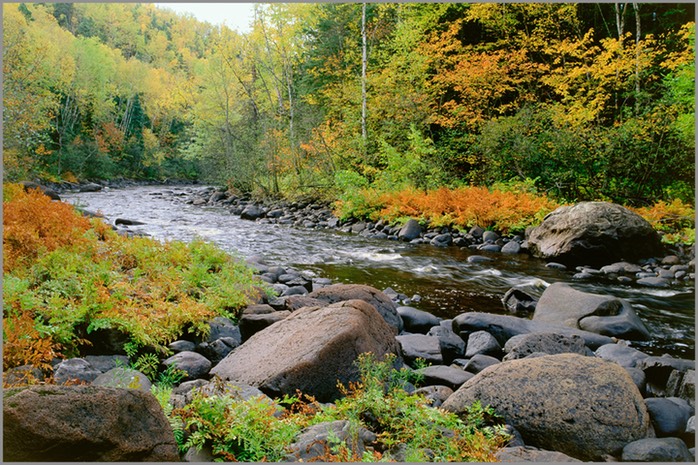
[(659, 369), (478, 259), (125, 378), (482, 342), (442, 240), (669, 415), (524, 345), (252, 324), (311, 350), (193, 364), (75, 370), (252, 212), (127, 222), (584, 407), (503, 327), (452, 345), (417, 321), (410, 231), (652, 281), (519, 302), (90, 187), (479, 362), (622, 355), (380, 301), (511, 247), (657, 450), (85, 424), (563, 305), (442, 375), (594, 233), (416, 346)]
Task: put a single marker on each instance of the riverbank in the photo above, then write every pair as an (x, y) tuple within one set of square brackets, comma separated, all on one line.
[(460, 344)]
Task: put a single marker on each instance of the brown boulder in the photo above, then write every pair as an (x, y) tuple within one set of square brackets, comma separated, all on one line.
[(593, 233), (85, 424), (582, 406), (382, 303), (310, 350)]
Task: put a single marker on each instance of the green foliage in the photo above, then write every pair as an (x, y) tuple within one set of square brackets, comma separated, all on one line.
[(252, 430), (237, 430), (74, 281)]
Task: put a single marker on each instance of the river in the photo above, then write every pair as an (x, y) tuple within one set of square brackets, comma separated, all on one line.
[(446, 282)]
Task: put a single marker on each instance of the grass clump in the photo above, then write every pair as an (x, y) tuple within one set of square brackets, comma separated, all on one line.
[(253, 430), (66, 277)]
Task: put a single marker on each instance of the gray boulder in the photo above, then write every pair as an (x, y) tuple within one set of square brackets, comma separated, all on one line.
[(503, 327), (584, 407), (442, 375), (411, 230), (479, 362), (623, 355), (524, 345), (250, 324), (193, 364), (563, 305), (482, 342), (518, 302), (658, 370), (316, 442), (85, 424), (669, 415), (520, 454), (416, 346), (381, 302), (593, 233), (75, 369), (124, 378), (252, 212), (436, 394), (311, 350), (417, 321), (452, 345), (657, 450), (223, 327)]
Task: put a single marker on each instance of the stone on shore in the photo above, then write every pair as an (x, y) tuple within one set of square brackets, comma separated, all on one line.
[(411, 230), (657, 450), (584, 407), (311, 350), (524, 345), (417, 321), (563, 305), (503, 327), (381, 302), (85, 424), (594, 233)]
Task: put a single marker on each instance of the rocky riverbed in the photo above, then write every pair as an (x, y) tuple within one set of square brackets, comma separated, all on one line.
[(563, 367)]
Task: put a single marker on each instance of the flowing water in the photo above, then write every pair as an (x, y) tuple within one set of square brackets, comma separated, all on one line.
[(447, 283)]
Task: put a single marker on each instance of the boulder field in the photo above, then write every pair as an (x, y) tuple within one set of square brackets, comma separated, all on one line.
[(564, 393)]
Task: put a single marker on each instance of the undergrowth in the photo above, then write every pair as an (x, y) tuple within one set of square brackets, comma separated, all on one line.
[(506, 207), (66, 276), (252, 430)]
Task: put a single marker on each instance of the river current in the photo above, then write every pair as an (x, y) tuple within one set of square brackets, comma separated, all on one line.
[(446, 282)]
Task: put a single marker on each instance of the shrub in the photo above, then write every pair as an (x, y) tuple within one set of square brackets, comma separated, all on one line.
[(675, 219), (66, 277)]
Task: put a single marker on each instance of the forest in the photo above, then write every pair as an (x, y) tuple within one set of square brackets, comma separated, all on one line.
[(334, 100)]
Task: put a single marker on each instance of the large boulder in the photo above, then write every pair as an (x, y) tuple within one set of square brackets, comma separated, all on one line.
[(563, 305), (503, 327), (85, 424), (310, 350), (593, 233), (381, 302), (582, 406), (411, 230)]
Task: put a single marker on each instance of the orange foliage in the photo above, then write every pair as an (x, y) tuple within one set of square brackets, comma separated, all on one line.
[(23, 345), (33, 223), (468, 206)]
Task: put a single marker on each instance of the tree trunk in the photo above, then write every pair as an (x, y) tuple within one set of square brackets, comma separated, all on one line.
[(364, 62), (620, 19), (636, 7)]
